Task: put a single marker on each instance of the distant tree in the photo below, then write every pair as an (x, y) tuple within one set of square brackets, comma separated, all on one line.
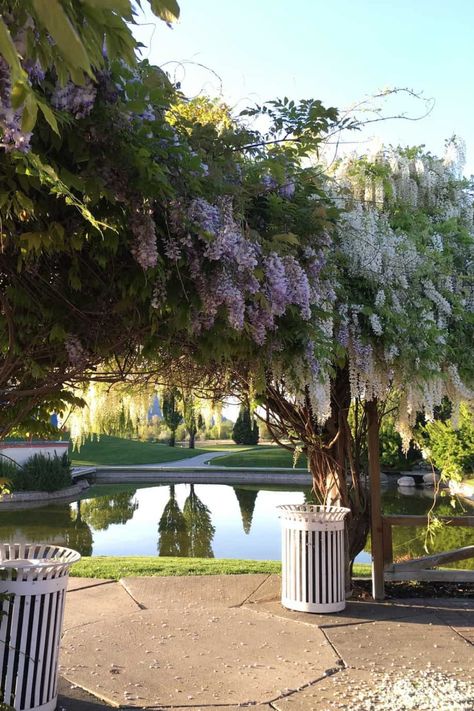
[(255, 433), (245, 431), (171, 412), (190, 417)]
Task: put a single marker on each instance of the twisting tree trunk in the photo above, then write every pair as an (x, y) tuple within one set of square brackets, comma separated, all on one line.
[(333, 450)]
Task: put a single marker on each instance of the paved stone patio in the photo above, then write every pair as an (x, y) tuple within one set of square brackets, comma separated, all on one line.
[(226, 642)]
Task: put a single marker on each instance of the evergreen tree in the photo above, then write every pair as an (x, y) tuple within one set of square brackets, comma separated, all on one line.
[(255, 433), (171, 413), (190, 418), (245, 431)]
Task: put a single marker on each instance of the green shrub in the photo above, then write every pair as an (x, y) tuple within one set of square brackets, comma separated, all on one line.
[(42, 473), (8, 469), (451, 449)]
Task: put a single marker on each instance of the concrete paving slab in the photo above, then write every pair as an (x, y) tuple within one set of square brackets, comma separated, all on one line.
[(339, 690), (409, 643), (355, 613), (269, 590), (73, 698), (80, 583), (92, 604), (257, 707), (452, 603), (222, 590), (461, 621), (188, 656)]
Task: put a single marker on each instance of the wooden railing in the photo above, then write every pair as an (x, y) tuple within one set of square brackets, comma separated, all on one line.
[(425, 568)]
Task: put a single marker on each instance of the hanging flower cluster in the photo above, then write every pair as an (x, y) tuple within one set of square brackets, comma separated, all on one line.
[(12, 136), (407, 238), (76, 100), (230, 270)]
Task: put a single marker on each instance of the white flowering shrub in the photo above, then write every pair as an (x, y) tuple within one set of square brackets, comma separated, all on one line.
[(405, 294)]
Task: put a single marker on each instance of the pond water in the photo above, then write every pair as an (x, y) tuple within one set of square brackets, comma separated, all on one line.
[(202, 520)]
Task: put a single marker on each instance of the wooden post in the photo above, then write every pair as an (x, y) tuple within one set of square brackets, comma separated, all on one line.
[(378, 591), (387, 542)]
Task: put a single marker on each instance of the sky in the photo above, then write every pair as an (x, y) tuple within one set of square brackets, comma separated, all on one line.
[(339, 52)]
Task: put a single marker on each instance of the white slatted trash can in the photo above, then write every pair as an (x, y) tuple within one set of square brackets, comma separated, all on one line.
[(35, 577), (312, 575)]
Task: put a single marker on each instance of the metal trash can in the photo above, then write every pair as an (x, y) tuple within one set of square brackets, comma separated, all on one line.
[(35, 576), (313, 557)]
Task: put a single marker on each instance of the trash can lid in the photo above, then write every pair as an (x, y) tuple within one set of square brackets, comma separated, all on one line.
[(48, 556), (313, 512)]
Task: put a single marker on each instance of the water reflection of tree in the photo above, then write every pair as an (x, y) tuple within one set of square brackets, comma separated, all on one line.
[(79, 534), (199, 526), (173, 533), (104, 511), (409, 541), (55, 523), (246, 499)]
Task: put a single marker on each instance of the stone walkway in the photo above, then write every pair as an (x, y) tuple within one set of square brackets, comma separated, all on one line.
[(199, 460), (225, 641)]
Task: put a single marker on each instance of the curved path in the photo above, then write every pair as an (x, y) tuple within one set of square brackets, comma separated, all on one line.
[(199, 460)]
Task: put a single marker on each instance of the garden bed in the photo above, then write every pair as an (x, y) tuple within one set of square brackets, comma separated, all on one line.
[(408, 589)]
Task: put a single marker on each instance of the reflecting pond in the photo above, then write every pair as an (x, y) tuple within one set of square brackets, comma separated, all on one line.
[(204, 520)]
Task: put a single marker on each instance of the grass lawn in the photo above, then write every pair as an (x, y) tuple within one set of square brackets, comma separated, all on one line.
[(114, 568), (115, 450), (261, 456)]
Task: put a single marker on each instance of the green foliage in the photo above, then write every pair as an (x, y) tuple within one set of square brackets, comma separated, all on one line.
[(41, 473), (391, 454), (172, 413), (222, 431), (450, 447), (8, 470), (190, 417), (245, 430), (194, 114), (68, 37)]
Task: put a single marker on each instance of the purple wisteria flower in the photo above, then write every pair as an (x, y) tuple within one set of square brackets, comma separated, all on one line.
[(76, 100), (277, 283), (287, 190), (299, 292), (207, 216), (269, 182), (144, 248), (12, 137)]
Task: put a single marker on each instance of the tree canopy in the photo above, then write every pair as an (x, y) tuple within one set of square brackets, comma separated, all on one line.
[(147, 237)]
